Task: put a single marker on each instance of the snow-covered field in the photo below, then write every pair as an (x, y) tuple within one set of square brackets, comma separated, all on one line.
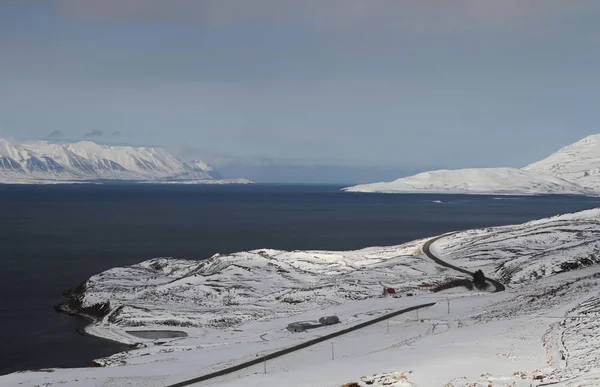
[(235, 308), (573, 169)]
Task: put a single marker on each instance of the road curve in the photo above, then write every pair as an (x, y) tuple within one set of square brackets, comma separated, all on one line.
[(298, 347), (427, 250)]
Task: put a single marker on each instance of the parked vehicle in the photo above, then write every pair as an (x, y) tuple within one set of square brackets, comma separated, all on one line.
[(329, 320)]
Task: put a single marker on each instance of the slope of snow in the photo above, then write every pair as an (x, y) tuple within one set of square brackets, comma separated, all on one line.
[(235, 308), (578, 162), (574, 169), (43, 162), (223, 291), (522, 253), (497, 181)]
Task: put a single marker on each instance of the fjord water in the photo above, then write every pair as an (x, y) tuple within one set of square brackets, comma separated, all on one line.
[(54, 237)]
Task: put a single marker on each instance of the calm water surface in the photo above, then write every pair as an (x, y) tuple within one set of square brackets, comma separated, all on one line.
[(54, 237)]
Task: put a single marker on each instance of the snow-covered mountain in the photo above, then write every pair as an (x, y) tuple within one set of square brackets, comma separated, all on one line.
[(45, 162), (501, 181), (578, 162), (575, 169)]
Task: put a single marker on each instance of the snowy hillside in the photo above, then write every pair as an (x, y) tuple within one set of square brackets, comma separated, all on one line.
[(172, 292), (223, 291), (498, 181), (575, 169), (233, 308), (578, 162), (46, 162), (533, 250)]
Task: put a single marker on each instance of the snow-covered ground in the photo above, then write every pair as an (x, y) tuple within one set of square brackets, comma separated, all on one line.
[(235, 308), (575, 169)]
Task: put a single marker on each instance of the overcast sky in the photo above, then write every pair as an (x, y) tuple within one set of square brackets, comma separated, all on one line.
[(391, 84)]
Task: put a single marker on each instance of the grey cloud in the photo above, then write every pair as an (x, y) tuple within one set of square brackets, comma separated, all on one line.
[(116, 133), (433, 16), (55, 133), (95, 133)]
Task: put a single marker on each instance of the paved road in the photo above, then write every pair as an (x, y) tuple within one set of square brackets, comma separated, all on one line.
[(427, 250), (298, 347)]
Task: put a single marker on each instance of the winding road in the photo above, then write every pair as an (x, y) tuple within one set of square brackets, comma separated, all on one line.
[(427, 250)]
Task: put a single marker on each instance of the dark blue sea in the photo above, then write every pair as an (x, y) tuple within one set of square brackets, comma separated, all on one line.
[(54, 237)]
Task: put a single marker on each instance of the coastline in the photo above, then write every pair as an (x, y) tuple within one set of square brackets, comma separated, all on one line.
[(91, 320)]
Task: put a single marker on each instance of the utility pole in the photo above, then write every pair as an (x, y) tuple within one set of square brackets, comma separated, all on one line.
[(332, 352), (417, 314), (388, 326), (265, 364), (447, 299)]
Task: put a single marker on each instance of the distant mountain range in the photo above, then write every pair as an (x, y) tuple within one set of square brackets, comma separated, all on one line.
[(48, 162), (574, 169)]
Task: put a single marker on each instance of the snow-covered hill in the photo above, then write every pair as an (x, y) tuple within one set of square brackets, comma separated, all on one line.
[(578, 163), (500, 181), (173, 292), (575, 169), (47, 162), (234, 308), (224, 291)]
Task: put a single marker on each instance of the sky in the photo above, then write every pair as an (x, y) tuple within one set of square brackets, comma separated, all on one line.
[(312, 90)]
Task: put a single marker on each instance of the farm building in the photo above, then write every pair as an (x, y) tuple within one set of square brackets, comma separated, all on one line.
[(389, 292)]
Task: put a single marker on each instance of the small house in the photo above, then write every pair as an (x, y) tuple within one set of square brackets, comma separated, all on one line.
[(388, 291)]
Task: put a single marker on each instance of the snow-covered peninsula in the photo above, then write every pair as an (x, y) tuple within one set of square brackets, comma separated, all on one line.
[(573, 170), (230, 309), (43, 162)]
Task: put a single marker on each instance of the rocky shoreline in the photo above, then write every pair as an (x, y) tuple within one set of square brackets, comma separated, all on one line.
[(74, 305), (93, 314)]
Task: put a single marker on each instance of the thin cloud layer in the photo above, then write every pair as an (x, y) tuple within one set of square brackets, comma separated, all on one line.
[(95, 133), (54, 134), (417, 16)]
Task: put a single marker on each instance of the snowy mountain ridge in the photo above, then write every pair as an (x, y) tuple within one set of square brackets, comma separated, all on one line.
[(573, 170), (578, 163), (48, 162)]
